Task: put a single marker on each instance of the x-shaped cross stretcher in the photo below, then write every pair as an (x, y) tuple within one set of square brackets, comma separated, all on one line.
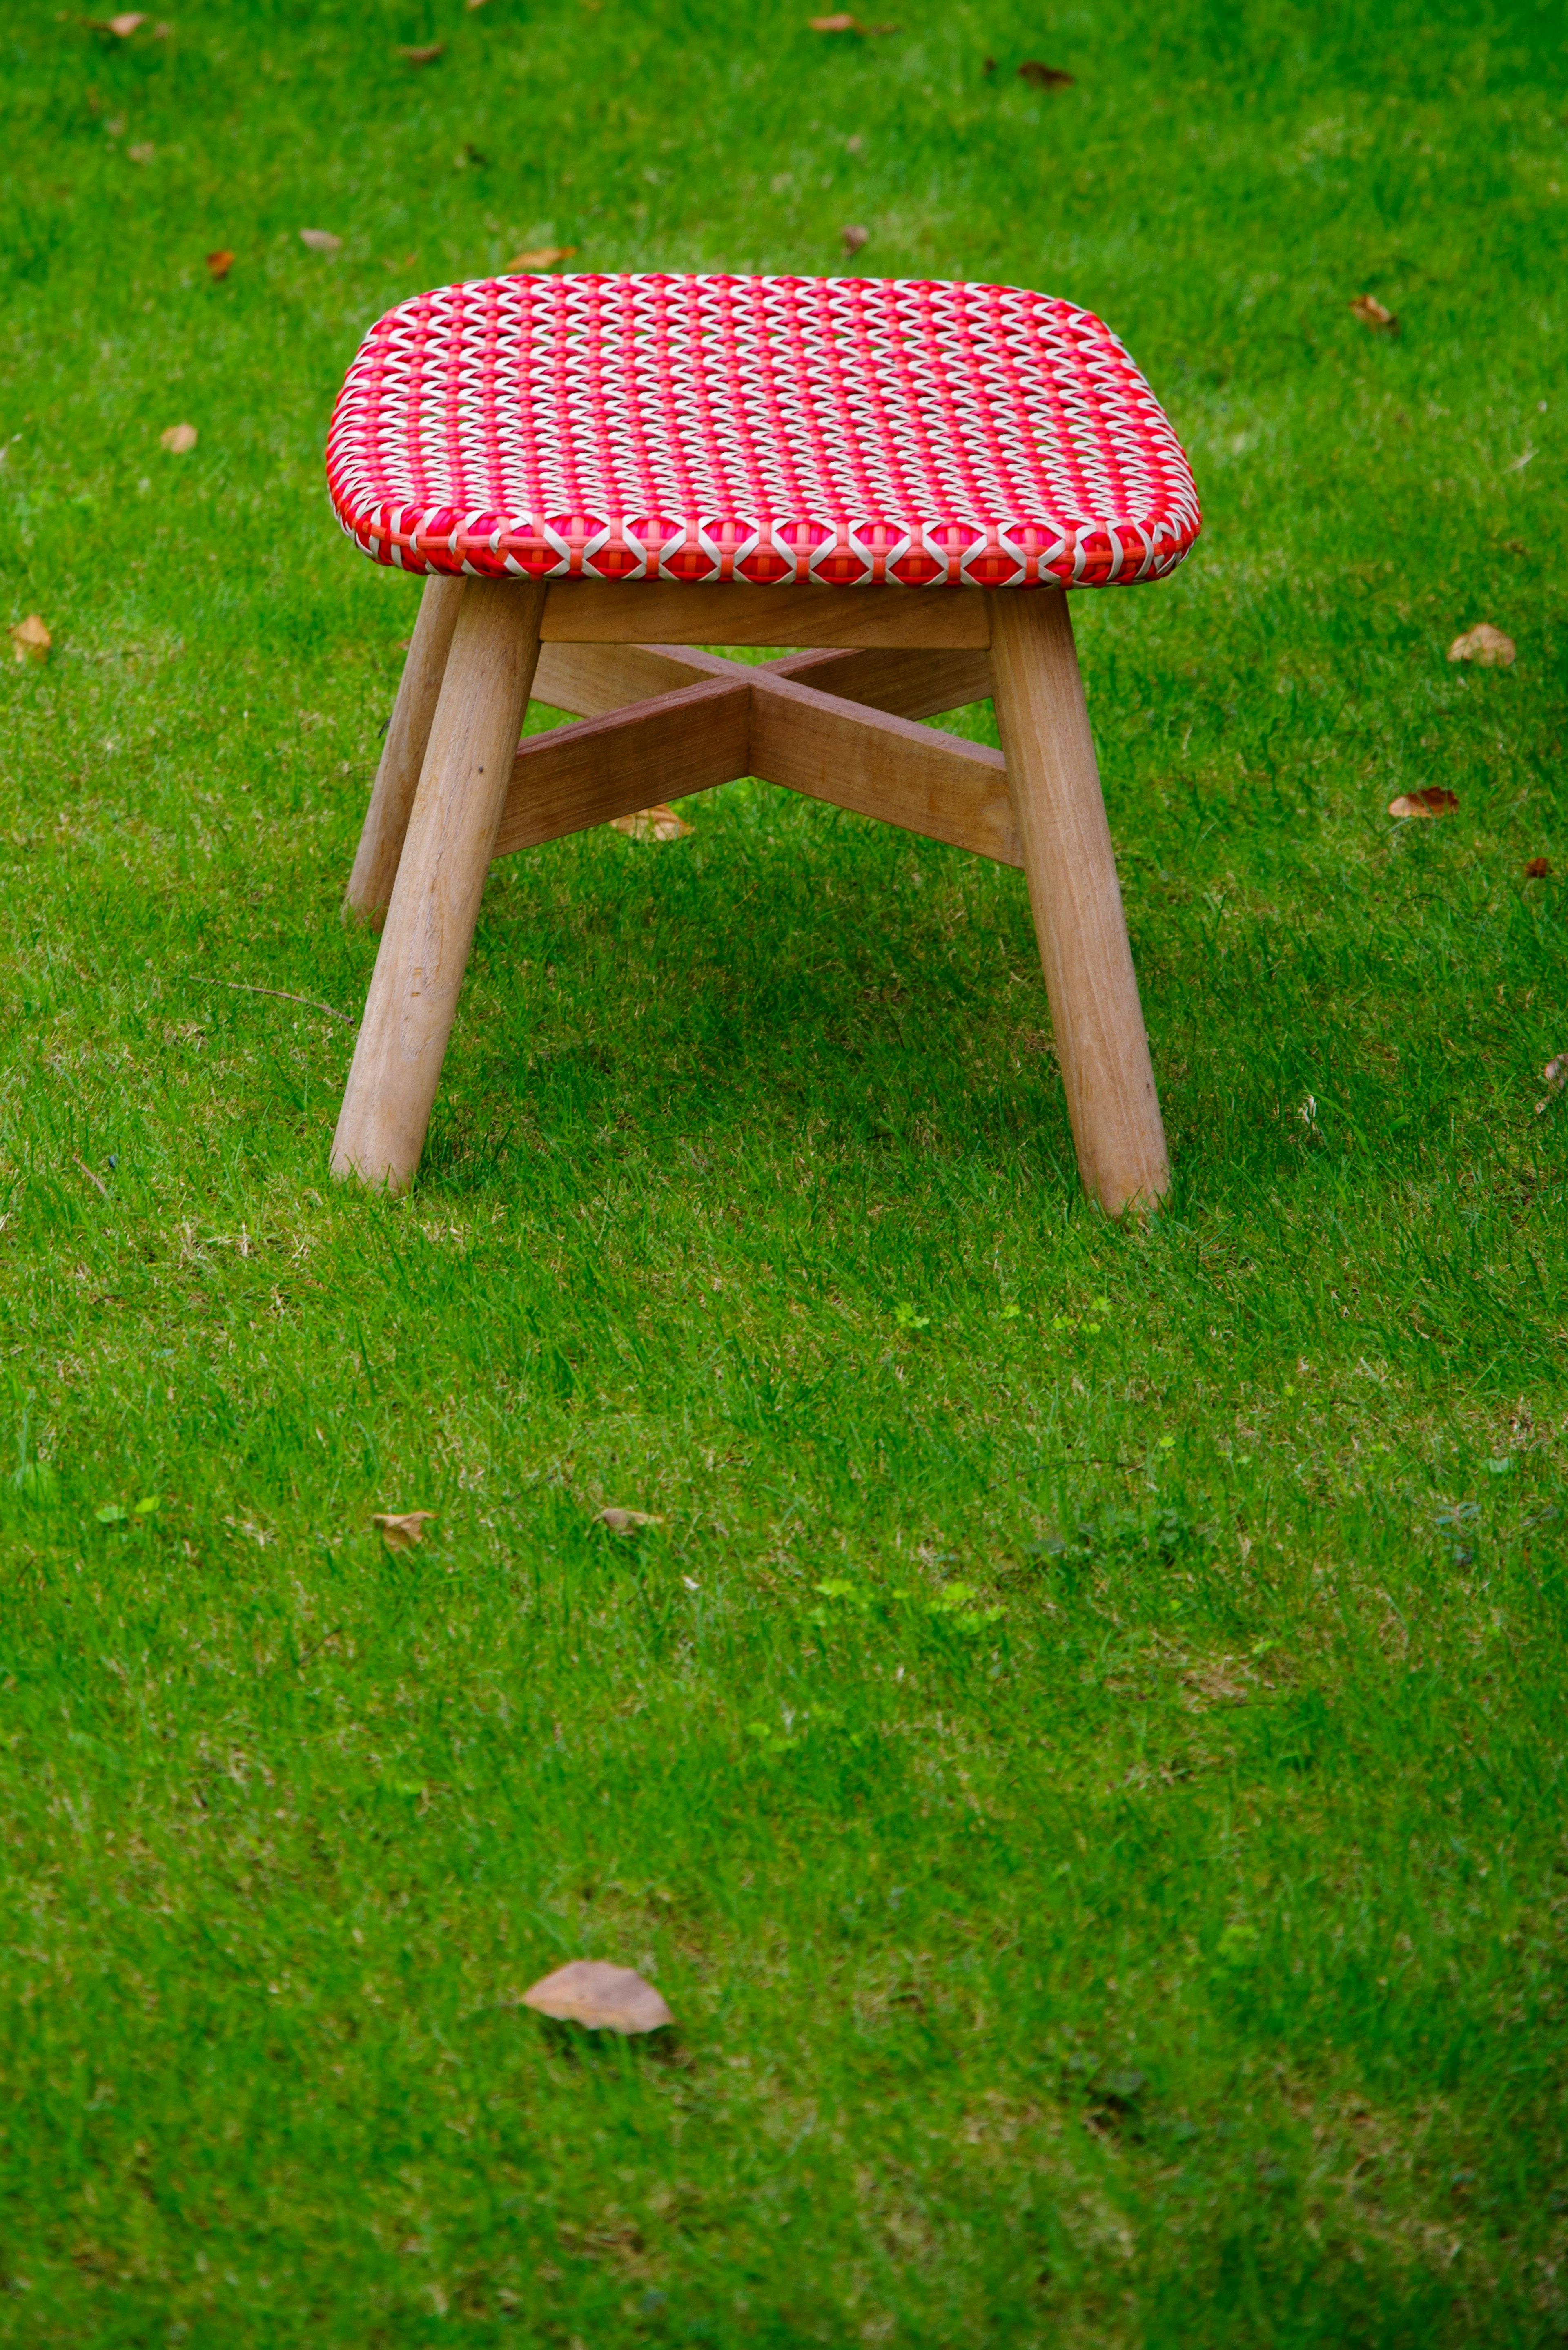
[(663, 721)]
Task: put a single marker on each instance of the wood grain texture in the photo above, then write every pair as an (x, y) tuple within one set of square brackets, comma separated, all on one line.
[(882, 767), (1070, 865), (369, 890), (594, 611), (575, 776), (440, 878), (910, 684), (741, 722), (593, 679)]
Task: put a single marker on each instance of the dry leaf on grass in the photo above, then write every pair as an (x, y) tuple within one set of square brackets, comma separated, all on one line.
[(220, 262), (179, 439), (840, 23), (30, 640), (143, 153), (1044, 76), (424, 54), (1556, 1075), (402, 1530), (124, 25), (1537, 869), (1485, 644), (604, 1997), (627, 1521), (1370, 313), (321, 240), (543, 257), (659, 823), (1433, 801), (854, 236)]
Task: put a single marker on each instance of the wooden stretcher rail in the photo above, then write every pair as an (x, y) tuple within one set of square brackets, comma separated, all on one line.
[(593, 611), (741, 722)]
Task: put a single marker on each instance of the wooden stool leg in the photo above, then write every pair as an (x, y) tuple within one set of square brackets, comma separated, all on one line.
[(1078, 920), (370, 888), (441, 879)]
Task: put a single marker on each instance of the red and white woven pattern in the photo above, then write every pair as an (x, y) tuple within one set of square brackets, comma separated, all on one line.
[(845, 431)]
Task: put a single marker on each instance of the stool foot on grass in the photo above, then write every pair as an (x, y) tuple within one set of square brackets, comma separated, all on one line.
[(1070, 866), (434, 904)]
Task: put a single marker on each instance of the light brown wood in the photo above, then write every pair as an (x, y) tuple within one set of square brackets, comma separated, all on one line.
[(668, 719), (743, 722), (369, 890), (1070, 864), (601, 611), (575, 776), (879, 765), (593, 679), (910, 684), (440, 878)]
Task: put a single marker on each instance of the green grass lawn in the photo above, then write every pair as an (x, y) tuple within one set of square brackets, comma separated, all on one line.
[(1083, 1753)]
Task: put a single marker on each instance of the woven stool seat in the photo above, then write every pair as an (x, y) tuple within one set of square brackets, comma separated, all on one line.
[(775, 431), (603, 478)]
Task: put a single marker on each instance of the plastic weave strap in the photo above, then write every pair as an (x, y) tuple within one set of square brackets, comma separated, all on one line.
[(847, 431)]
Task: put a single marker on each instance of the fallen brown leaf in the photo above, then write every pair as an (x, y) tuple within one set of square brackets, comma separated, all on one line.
[(855, 236), (220, 263), (179, 438), (1433, 801), (540, 256), (840, 23), (1537, 869), (321, 240), (1044, 76), (1370, 313), (143, 153), (126, 25), (627, 1521), (1556, 1075), (425, 54), (1485, 644), (660, 823), (402, 1530), (30, 640), (604, 1997)]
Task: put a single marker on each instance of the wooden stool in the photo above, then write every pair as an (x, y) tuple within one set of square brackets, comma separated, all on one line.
[(605, 473)]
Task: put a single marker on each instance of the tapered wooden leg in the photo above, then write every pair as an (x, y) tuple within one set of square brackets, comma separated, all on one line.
[(440, 878), (370, 888), (1078, 920)]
